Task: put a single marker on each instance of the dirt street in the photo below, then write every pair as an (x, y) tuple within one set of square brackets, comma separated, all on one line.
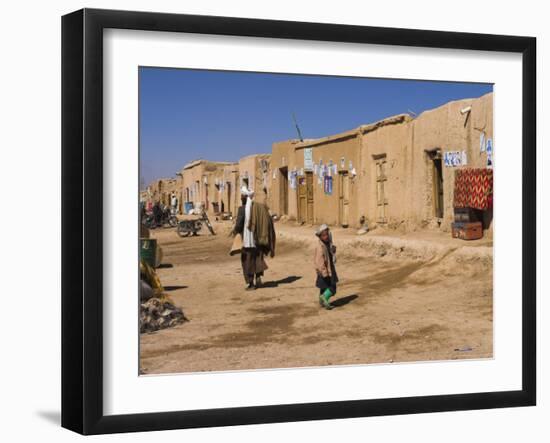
[(413, 298)]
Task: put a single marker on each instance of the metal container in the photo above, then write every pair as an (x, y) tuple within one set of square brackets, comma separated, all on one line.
[(148, 251), (187, 207), (467, 231)]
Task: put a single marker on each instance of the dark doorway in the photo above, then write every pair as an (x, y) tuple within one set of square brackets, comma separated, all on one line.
[(228, 184), (437, 180), (283, 191)]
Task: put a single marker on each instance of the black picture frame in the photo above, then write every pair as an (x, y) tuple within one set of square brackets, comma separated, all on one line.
[(82, 217)]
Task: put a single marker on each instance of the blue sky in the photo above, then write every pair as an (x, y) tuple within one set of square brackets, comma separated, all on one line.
[(220, 115)]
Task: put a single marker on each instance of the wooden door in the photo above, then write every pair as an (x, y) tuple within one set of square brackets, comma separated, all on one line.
[(309, 193), (343, 199), (302, 199), (381, 178)]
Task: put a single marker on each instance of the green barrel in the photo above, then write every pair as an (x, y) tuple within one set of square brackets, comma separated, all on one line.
[(148, 250)]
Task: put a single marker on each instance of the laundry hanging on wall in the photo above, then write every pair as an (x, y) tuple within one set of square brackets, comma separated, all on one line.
[(293, 179), (328, 185), (489, 150), (473, 188)]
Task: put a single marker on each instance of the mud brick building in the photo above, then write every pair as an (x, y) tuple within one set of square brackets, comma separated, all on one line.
[(160, 190), (254, 174), (398, 172), (211, 185)]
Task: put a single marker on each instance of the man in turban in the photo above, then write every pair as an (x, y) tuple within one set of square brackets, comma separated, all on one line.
[(253, 223)]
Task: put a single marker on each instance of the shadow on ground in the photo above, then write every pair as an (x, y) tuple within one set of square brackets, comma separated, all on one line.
[(174, 288), (283, 281), (339, 302)]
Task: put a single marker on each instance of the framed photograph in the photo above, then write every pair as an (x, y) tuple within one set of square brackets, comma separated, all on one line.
[(268, 221)]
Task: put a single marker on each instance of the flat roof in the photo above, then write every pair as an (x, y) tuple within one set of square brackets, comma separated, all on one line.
[(363, 129)]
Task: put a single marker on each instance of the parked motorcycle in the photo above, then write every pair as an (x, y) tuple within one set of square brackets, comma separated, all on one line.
[(166, 218), (193, 226)]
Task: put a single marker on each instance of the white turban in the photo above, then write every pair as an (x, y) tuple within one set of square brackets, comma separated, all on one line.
[(247, 192)]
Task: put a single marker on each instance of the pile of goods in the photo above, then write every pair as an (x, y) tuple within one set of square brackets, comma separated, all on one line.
[(156, 309), (473, 194), (157, 313)]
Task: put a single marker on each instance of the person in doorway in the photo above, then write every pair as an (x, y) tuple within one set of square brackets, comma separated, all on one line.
[(174, 203), (324, 261), (252, 253)]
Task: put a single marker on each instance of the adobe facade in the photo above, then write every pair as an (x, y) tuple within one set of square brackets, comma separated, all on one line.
[(391, 173), (397, 172), (211, 185)]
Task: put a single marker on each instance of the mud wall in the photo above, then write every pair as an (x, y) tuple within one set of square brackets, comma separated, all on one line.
[(448, 129), (383, 179), (282, 155), (254, 170), (192, 183), (407, 149), (337, 152)]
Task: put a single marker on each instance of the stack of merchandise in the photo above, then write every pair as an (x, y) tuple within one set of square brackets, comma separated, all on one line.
[(466, 225), (473, 193), (159, 313), (156, 309)]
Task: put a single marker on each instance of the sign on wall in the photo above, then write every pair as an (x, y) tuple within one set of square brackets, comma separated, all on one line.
[(308, 159), (452, 159)]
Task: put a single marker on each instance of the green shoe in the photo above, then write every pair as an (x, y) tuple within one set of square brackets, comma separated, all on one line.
[(325, 303)]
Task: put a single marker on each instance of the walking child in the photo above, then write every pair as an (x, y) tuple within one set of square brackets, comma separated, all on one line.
[(324, 260)]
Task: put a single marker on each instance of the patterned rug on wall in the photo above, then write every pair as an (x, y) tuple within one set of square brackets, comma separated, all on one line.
[(473, 188)]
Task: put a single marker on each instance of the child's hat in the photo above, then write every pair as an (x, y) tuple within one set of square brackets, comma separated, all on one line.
[(321, 228)]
